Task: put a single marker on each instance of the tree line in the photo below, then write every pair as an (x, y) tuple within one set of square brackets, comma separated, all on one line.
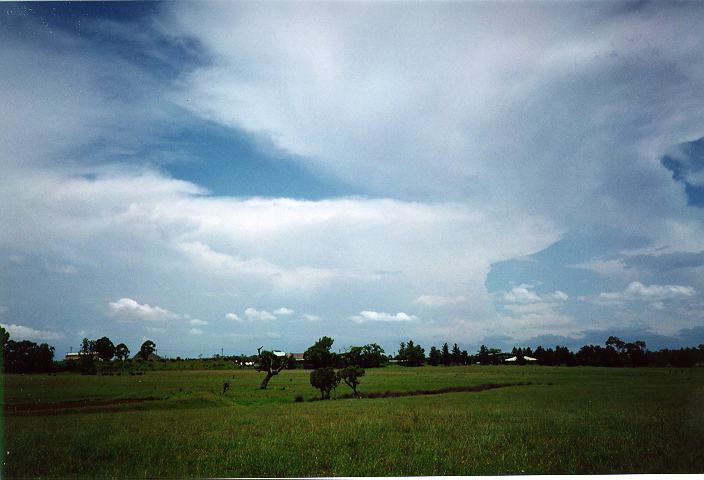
[(29, 357)]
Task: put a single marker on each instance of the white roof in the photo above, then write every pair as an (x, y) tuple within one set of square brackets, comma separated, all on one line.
[(278, 353), (529, 359)]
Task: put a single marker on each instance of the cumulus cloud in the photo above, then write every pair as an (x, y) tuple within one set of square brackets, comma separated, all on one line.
[(371, 316), (439, 300), (195, 331), (197, 322), (253, 314), (283, 311), (636, 291), (233, 317), (21, 332), (131, 309), (524, 294), (310, 318)]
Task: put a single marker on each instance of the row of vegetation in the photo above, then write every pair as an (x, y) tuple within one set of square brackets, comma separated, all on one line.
[(102, 355)]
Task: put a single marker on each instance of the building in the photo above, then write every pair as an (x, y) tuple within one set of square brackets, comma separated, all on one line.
[(76, 356)]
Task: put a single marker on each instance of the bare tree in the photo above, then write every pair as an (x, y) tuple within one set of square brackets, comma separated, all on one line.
[(271, 364)]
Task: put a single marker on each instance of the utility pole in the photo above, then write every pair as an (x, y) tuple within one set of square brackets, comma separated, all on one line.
[(222, 352)]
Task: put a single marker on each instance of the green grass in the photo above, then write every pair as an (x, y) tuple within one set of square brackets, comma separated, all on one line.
[(567, 420)]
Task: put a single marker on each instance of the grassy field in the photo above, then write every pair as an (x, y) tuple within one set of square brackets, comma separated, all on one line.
[(559, 420)]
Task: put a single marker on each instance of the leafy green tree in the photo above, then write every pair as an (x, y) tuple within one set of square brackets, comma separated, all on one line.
[(104, 348), (367, 356), (122, 352), (27, 357), (456, 355), (291, 363), (351, 376), (324, 379), (271, 364), (147, 349), (4, 336), (446, 358), (411, 355), (434, 357), (319, 354), (87, 359)]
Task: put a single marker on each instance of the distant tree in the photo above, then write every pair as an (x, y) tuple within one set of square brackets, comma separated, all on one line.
[(401, 351), (324, 379), (434, 357), (367, 356), (446, 358), (615, 343), (27, 357), (291, 363), (147, 349), (104, 348), (351, 375), (456, 354), (122, 352), (464, 357), (4, 336), (412, 356), (483, 355), (87, 359), (271, 364), (319, 354)]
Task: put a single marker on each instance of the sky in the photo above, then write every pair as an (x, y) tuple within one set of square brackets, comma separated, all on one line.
[(219, 176)]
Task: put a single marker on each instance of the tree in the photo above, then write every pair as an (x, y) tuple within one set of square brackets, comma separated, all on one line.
[(104, 348), (367, 356), (4, 336), (434, 356), (319, 355), (411, 355), (324, 379), (456, 354), (351, 375), (446, 359), (122, 352), (87, 359), (271, 364), (27, 357), (291, 363), (147, 349)]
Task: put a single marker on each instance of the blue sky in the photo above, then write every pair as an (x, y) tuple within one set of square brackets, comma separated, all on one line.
[(227, 175)]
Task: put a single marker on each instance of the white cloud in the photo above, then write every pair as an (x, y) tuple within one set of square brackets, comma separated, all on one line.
[(371, 316), (197, 322), (254, 314), (233, 316), (521, 294), (131, 309), (283, 311), (310, 318), (637, 291), (21, 332), (195, 331), (439, 300)]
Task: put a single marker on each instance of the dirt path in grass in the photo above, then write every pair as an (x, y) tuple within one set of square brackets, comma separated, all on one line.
[(438, 391), (20, 408)]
